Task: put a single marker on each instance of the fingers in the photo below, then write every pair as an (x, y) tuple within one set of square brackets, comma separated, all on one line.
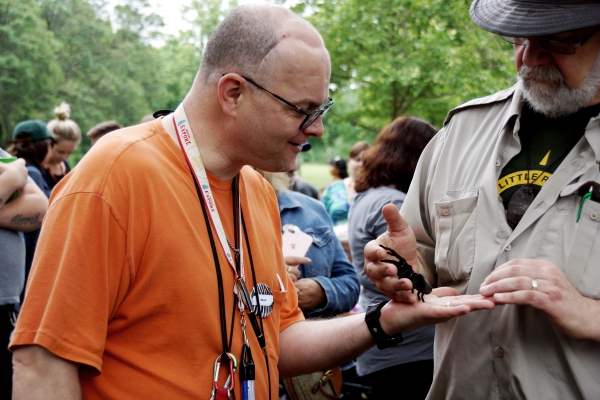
[(521, 267), (512, 284), (474, 302), (374, 252), (522, 297), (296, 260), (293, 272)]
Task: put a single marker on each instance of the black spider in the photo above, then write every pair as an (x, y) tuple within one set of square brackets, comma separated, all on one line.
[(405, 271)]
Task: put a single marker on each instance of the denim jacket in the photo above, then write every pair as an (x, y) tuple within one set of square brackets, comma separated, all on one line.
[(329, 266)]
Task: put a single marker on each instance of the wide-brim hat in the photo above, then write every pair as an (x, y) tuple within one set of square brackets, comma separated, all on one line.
[(34, 128), (531, 18)]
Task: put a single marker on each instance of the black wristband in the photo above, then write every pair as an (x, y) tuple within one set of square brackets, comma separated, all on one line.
[(382, 339)]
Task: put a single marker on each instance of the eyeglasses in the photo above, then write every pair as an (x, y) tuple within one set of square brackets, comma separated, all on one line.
[(311, 116), (550, 43)]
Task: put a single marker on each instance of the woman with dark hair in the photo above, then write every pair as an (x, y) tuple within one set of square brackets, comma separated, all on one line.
[(33, 143), (387, 170), (335, 196)]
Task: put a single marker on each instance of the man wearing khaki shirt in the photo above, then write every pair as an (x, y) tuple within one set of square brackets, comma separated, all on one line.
[(505, 202)]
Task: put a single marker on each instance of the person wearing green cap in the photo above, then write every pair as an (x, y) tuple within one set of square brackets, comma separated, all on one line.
[(33, 142)]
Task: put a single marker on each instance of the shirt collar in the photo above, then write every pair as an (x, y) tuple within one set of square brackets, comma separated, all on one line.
[(286, 201)]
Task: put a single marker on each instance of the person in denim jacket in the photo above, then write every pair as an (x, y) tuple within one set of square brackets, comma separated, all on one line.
[(326, 282)]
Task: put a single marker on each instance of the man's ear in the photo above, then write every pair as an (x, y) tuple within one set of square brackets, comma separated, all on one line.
[(229, 90)]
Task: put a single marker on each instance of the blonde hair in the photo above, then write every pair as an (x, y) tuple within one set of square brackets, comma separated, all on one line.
[(278, 180), (63, 128)]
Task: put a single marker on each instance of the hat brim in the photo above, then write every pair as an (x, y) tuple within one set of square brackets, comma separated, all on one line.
[(530, 18)]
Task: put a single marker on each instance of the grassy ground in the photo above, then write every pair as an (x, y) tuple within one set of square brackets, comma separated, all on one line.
[(317, 174)]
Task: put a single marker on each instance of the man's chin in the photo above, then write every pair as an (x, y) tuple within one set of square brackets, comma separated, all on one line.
[(277, 166), (548, 99)]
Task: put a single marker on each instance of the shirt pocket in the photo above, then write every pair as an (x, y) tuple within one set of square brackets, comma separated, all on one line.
[(582, 266), (455, 223), (573, 246), (321, 236)]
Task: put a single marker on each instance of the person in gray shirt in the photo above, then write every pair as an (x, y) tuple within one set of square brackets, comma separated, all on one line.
[(22, 208), (387, 170)]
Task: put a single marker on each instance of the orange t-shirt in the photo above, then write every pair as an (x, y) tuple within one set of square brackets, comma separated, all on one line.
[(124, 278)]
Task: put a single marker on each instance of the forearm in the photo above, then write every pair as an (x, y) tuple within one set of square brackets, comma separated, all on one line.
[(332, 342), (594, 320), (8, 185), (25, 213), (39, 374)]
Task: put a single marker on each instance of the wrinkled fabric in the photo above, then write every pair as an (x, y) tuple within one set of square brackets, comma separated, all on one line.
[(453, 206)]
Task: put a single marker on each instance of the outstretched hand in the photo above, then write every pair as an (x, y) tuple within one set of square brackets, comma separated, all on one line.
[(400, 237), (441, 305)]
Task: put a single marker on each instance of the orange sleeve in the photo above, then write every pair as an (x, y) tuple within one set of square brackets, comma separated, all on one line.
[(70, 300), (290, 312)]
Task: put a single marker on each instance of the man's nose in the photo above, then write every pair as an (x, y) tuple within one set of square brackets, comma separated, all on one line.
[(315, 129), (534, 55)]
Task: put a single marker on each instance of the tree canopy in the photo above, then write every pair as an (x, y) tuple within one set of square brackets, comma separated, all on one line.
[(389, 58)]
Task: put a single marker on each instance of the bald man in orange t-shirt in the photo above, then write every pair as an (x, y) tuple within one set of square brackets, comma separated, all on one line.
[(128, 298)]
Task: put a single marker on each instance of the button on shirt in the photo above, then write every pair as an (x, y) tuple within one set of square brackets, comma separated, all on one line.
[(511, 352)]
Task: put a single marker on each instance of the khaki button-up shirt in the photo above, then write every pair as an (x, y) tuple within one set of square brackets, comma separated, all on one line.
[(511, 352)]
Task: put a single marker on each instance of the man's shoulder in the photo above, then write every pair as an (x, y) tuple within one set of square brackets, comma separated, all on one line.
[(139, 146), (121, 158), (500, 97)]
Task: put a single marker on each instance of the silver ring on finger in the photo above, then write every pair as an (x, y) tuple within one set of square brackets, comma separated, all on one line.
[(534, 284)]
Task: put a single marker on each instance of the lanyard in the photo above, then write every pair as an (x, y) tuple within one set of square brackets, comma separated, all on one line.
[(191, 151), (192, 155)]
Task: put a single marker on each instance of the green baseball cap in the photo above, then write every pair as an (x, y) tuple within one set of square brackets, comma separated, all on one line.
[(34, 127)]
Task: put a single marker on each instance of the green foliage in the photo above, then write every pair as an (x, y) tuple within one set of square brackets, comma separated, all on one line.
[(407, 57), (389, 58), (28, 67)]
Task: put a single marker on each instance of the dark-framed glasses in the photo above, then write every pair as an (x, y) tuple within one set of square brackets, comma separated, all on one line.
[(311, 116), (554, 43)]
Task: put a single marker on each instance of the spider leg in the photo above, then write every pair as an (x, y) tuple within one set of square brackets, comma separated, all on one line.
[(396, 263), (391, 252)]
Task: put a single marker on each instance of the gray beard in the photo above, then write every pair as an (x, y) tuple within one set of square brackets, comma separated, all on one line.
[(552, 97)]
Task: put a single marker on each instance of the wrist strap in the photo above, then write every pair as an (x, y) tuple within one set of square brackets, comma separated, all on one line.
[(382, 339)]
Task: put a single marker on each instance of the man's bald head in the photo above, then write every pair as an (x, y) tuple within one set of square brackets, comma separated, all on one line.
[(244, 40)]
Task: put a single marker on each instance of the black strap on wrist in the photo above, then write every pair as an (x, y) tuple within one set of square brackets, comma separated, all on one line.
[(382, 339)]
